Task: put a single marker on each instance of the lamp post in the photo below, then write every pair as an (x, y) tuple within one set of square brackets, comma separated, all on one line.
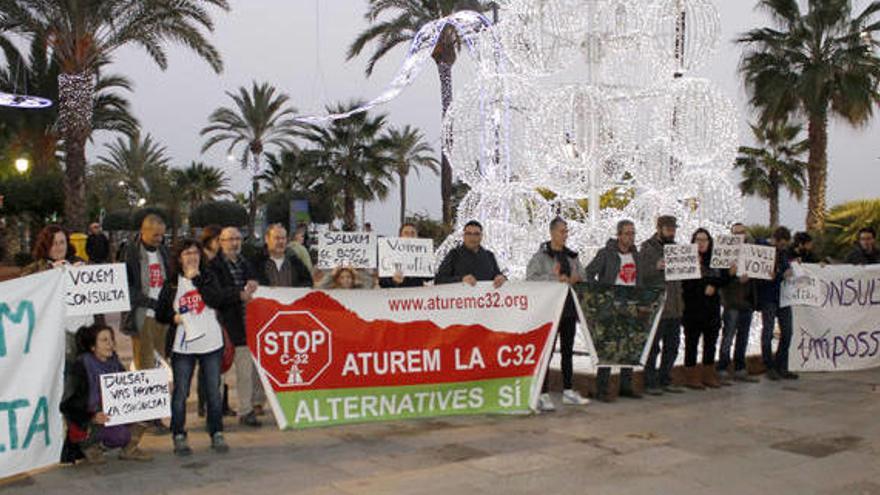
[(22, 165)]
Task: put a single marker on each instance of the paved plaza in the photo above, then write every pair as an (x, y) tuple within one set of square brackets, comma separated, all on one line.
[(817, 435)]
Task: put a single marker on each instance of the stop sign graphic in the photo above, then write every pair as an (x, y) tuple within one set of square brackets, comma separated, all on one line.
[(294, 348)]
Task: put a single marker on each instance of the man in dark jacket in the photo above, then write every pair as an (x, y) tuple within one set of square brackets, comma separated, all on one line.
[(147, 265), (232, 270), (616, 264), (738, 297), (652, 273), (768, 304), (865, 251), (469, 262), (407, 231), (274, 267), (97, 245)]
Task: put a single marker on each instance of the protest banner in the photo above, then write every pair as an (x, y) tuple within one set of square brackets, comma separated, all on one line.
[(96, 289), (133, 396), (682, 261), (338, 357), (842, 333), (350, 249), (802, 289), (621, 320), (725, 251), (757, 262), (410, 257), (31, 364)]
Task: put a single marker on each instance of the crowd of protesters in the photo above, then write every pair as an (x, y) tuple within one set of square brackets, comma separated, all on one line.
[(188, 308)]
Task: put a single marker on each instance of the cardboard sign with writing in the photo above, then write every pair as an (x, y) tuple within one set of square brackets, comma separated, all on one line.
[(410, 257), (757, 261), (96, 289), (725, 252), (682, 261), (802, 289), (349, 249), (134, 396)]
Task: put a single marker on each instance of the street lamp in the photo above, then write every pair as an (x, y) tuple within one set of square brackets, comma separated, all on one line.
[(22, 165)]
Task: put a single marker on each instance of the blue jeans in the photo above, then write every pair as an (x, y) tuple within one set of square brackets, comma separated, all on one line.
[(669, 336), (770, 313), (737, 325), (182, 366)]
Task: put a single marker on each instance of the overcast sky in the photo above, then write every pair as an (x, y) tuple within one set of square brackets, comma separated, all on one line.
[(300, 46)]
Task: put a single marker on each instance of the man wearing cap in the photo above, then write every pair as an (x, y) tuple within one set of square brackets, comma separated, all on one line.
[(668, 335)]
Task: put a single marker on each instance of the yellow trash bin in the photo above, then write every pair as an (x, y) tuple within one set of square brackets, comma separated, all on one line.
[(78, 240)]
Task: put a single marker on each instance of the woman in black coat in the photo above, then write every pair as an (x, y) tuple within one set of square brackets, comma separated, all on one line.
[(702, 316)]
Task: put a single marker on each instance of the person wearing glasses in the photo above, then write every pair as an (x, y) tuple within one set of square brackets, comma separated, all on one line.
[(470, 262)]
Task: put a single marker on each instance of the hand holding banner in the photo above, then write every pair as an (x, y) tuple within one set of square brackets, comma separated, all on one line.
[(410, 257), (682, 261), (349, 249)]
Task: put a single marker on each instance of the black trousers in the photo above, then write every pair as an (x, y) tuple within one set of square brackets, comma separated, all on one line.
[(693, 330), (565, 336)]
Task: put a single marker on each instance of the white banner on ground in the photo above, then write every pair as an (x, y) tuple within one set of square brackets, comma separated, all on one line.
[(843, 332), (757, 261), (410, 257), (96, 289), (725, 252), (350, 249), (682, 261), (31, 370), (133, 396)]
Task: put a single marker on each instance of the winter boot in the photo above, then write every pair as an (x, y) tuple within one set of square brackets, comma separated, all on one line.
[(626, 384), (692, 378), (603, 377), (710, 377)]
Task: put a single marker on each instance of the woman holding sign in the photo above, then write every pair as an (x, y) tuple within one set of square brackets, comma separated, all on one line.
[(187, 304), (82, 407), (702, 317)]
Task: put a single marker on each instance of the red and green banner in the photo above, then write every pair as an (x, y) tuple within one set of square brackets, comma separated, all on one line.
[(350, 356)]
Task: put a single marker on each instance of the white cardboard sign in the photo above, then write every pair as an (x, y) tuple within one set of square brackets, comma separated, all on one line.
[(349, 249), (133, 396), (757, 261), (725, 252), (96, 289), (410, 257), (682, 262)]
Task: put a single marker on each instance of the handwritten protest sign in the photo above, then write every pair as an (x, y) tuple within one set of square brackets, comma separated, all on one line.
[(134, 396), (410, 257), (725, 252), (757, 261), (351, 249), (96, 289), (682, 261), (802, 289)]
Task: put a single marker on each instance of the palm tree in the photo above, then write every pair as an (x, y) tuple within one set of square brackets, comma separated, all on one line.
[(815, 63), (845, 220), (139, 167), (260, 118), (408, 152), (83, 35), (290, 170), (351, 163), (406, 18), (33, 131), (199, 183), (774, 165)]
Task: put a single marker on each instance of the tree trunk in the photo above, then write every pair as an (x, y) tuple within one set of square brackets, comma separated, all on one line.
[(75, 106), (773, 201), (402, 199), (255, 190), (817, 171), (348, 218), (445, 71)]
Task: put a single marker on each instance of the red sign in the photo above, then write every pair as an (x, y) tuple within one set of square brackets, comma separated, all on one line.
[(192, 303), (294, 348), (156, 279)]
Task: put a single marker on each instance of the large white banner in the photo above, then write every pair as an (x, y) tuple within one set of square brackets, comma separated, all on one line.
[(31, 370), (841, 332)]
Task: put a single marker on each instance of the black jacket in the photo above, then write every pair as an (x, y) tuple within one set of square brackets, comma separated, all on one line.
[(232, 314), (461, 262), (214, 296), (98, 248), (301, 275), (859, 256), (700, 309), (132, 320), (75, 405)]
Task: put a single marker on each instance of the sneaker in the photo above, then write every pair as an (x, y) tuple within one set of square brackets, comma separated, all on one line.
[(545, 403), (788, 375), (230, 413), (743, 376), (181, 448), (773, 375), (218, 444), (134, 454), (250, 419), (654, 391), (574, 398), (724, 378), (673, 389)]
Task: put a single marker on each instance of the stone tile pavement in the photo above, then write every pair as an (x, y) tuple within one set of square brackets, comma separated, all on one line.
[(818, 435)]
